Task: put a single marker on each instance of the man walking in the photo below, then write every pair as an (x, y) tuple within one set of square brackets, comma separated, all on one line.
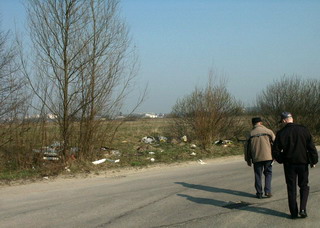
[(294, 148), (258, 152)]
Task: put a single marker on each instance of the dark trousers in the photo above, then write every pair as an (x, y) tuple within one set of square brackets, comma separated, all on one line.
[(264, 167), (292, 173)]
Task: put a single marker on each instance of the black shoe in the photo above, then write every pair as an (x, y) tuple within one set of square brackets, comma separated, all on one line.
[(294, 216), (303, 214), (268, 195), (259, 195)]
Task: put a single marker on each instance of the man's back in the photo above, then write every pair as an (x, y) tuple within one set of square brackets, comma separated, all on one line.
[(260, 146), (295, 141)]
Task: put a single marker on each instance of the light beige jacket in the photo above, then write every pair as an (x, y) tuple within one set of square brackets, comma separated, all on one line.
[(258, 146)]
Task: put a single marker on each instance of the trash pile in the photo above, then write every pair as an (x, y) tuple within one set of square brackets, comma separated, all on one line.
[(223, 143), (51, 152), (108, 153)]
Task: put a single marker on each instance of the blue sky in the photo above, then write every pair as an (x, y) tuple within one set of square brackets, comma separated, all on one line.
[(249, 42)]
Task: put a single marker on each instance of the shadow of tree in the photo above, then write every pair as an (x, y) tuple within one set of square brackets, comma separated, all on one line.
[(224, 204)]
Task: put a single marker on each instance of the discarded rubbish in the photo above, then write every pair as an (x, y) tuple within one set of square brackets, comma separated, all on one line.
[(223, 142), (99, 161), (193, 154), (184, 138), (114, 161), (152, 159), (51, 153), (148, 139), (151, 152), (201, 162), (46, 178), (51, 158), (193, 146), (163, 139), (104, 160)]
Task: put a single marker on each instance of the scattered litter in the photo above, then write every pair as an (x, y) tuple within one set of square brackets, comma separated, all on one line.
[(152, 159), (51, 158), (184, 138), (193, 154), (201, 162), (104, 160), (46, 178), (151, 152), (56, 144), (148, 139), (163, 139), (67, 169), (114, 161), (50, 153), (99, 161), (224, 143), (193, 146)]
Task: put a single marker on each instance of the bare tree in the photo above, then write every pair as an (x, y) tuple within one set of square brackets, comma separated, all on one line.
[(293, 94), (84, 63), (208, 114), (12, 94)]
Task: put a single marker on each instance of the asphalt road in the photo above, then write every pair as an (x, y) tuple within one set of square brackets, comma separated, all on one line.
[(219, 193)]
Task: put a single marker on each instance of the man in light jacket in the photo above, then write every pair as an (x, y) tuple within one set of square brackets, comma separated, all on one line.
[(258, 151)]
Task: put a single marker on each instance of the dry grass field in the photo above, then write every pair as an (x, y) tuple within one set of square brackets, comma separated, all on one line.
[(138, 143)]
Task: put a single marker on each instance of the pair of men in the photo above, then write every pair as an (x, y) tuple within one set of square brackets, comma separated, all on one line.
[(293, 146)]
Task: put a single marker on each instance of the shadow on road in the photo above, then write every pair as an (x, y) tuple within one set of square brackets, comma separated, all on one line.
[(219, 203), (214, 189)]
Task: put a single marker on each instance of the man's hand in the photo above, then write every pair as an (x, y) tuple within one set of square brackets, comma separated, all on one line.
[(249, 163), (312, 166)]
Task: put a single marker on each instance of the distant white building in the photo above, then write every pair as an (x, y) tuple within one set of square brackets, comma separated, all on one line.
[(150, 115)]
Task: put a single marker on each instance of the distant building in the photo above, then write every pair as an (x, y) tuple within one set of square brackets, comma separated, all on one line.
[(150, 115)]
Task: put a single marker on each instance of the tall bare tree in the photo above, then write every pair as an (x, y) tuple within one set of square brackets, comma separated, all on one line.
[(12, 93), (84, 63)]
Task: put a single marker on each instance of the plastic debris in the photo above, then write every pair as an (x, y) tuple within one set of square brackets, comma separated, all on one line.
[(163, 139), (99, 161), (46, 178), (193, 154), (225, 142), (151, 152), (148, 139), (201, 162), (51, 158), (193, 146), (152, 159), (114, 161), (184, 138)]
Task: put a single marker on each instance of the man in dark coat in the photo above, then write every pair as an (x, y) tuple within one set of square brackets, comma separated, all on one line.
[(294, 148)]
